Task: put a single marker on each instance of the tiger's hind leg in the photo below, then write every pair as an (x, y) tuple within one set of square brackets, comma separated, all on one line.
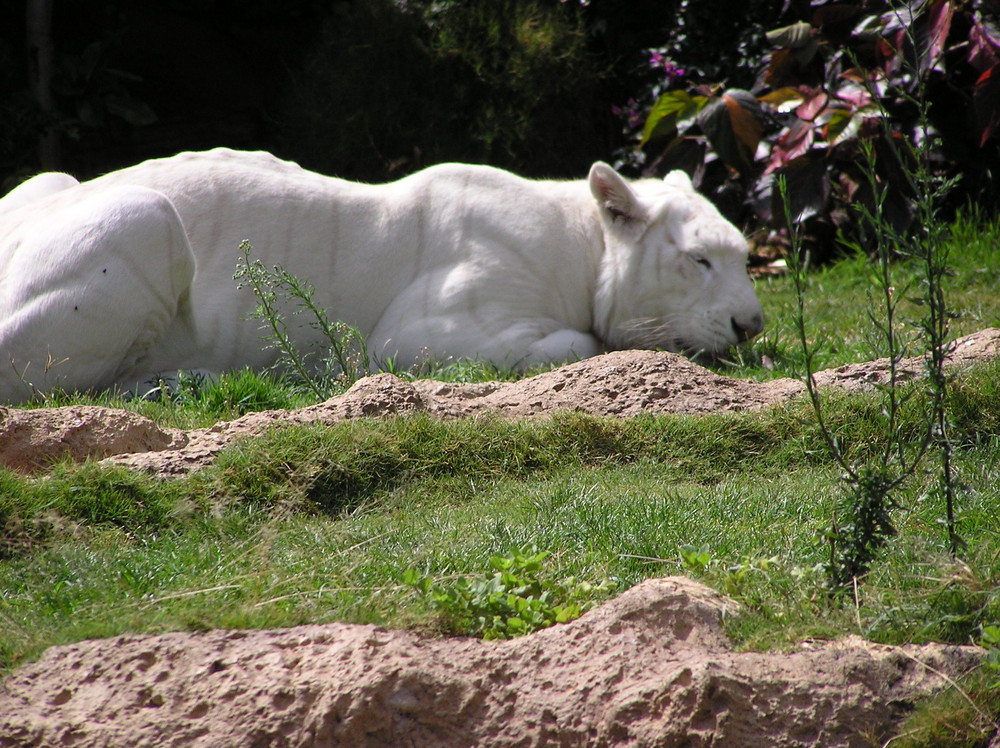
[(89, 282)]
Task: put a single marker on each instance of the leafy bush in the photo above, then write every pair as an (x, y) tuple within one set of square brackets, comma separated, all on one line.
[(514, 601), (844, 75), (393, 87), (713, 43)]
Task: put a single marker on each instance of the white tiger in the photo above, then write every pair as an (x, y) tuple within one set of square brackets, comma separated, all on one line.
[(117, 280)]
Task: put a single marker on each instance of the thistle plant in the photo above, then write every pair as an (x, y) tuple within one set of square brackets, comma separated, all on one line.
[(344, 356), (863, 523)]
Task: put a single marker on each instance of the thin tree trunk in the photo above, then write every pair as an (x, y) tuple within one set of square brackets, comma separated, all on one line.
[(40, 62)]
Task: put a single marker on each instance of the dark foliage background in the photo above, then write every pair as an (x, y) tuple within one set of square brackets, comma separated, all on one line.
[(846, 98), (374, 89), (365, 89)]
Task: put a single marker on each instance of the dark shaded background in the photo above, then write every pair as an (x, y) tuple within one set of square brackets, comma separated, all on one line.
[(365, 89)]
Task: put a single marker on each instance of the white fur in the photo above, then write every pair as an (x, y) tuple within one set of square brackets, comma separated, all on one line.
[(35, 189), (454, 261), (88, 287)]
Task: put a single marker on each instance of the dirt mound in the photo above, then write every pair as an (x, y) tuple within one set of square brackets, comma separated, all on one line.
[(651, 668), (964, 352), (32, 439), (622, 383)]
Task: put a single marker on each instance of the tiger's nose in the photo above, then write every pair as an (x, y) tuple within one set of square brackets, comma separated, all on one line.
[(748, 328)]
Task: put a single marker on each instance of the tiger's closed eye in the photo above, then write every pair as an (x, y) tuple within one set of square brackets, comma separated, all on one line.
[(704, 262)]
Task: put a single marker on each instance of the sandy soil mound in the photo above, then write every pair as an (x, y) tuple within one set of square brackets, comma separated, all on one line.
[(623, 383), (31, 439), (651, 668)]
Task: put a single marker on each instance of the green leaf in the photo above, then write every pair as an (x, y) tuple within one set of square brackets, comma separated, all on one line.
[(508, 603), (500, 563), (840, 124), (796, 36), (516, 625), (413, 578), (566, 613), (991, 636), (784, 100), (672, 110), (90, 113), (695, 558)]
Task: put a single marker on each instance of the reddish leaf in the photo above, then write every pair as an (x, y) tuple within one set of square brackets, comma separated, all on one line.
[(900, 17), (889, 50), (732, 124), (805, 53), (986, 102), (782, 69), (794, 142), (836, 13), (939, 26), (744, 111), (684, 153), (984, 45), (814, 104), (848, 185), (855, 94), (855, 75)]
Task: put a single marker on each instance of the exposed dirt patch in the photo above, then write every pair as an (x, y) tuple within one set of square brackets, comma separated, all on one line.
[(964, 352), (623, 383), (651, 668), (30, 440)]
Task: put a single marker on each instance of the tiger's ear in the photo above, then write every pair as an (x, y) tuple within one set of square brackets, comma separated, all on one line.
[(617, 199), (679, 179)]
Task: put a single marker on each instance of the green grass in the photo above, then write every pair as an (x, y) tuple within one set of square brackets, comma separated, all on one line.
[(196, 401), (315, 524), (840, 300), (319, 523)]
